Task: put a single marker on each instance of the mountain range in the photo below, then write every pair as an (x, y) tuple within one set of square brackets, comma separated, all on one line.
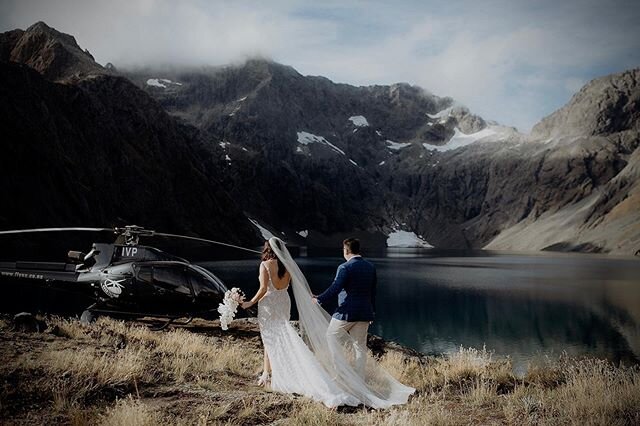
[(243, 151)]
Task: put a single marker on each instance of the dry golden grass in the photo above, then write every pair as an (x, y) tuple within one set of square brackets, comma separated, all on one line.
[(4, 324), (70, 328), (112, 372), (546, 372), (561, 391), (310, 413), (176, 355), (421, 410), (596, 392), (454, 372), (102, 369), (131, 412), (482, 393)]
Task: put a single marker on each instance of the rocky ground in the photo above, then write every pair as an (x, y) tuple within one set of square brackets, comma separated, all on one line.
[(112, 372)]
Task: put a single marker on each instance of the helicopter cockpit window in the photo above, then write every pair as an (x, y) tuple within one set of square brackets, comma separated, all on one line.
[(203, 285), (171, 279), (145, 274)]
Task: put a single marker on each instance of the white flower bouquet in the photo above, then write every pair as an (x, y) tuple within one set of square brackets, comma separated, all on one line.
[(229, 306)]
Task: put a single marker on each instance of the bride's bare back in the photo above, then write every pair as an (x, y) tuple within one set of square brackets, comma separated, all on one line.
[(272, 271)]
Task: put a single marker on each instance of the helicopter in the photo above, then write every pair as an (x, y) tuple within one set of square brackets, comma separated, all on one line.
[(127, 279)]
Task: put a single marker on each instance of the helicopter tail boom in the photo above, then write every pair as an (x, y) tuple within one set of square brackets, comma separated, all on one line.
[(39, 270)]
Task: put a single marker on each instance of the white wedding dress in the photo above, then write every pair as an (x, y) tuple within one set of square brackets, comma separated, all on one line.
[(294, 369), (307, 366)]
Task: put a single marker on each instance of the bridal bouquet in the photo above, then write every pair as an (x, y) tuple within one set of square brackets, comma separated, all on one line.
[(229, 306)]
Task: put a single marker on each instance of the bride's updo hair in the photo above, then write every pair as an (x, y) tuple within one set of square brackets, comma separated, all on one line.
[(269, 254)]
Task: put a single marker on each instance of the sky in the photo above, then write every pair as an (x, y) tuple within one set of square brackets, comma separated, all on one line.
[(510, 61)]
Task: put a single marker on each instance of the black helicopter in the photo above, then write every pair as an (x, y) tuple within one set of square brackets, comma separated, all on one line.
[(126, 279)]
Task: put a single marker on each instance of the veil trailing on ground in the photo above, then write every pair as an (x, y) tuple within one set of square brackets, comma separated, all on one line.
[(377, 389)]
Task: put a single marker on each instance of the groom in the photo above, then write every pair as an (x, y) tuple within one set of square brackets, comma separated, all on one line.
[(355, 285)]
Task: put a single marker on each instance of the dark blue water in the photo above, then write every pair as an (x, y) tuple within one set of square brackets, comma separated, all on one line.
[(517, 305)]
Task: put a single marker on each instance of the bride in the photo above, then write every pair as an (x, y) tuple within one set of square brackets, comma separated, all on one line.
[(306, 365)]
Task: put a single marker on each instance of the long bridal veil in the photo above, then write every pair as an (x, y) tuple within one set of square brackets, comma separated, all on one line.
[(377, 389)]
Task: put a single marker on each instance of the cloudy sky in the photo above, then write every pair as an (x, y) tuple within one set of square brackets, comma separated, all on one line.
[(513, 61)]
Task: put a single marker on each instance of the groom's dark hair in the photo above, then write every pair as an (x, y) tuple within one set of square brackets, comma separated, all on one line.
[(352, 244)]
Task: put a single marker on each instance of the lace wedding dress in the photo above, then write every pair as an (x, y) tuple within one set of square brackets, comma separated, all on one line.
[(294, 369), (306, 365)]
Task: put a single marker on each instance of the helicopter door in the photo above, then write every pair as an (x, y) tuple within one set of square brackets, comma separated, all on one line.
[(169, 291), (208, 292), (144, 288)]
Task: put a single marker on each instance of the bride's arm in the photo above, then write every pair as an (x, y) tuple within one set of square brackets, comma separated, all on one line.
[(264, 279)]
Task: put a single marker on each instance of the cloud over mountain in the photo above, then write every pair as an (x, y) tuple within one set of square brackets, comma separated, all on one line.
[(514, 62)]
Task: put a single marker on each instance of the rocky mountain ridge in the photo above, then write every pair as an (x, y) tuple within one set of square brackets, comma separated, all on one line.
[(332, 142), (83, 147), (604, 106), (223, 100), (55, 55), (463, 197), (315, 160), (596, 134)]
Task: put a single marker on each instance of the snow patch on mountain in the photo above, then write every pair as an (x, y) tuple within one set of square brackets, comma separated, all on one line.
[(359, 121), (396, 146), (161, 82), (304, 233), (441, 114), (156, 83), (236, 109), (459, 139), (306, 138), (406, 239)]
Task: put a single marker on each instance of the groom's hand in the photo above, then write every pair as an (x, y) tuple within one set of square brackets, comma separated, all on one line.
[(315, 300)]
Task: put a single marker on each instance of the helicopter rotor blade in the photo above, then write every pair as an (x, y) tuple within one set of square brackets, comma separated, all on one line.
[(148, 233), (19, 231), (205, 240)]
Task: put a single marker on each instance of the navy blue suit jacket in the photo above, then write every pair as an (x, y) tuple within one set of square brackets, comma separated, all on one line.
[(355, 285)]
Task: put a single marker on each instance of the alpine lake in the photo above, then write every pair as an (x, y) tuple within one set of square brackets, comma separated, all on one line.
[(524, 306)]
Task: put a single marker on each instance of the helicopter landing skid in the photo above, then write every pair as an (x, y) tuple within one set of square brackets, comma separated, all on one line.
[(91, 313), (168, 323), (163, 326)]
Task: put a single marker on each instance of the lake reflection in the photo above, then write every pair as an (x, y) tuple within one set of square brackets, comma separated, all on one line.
[(514, 304)]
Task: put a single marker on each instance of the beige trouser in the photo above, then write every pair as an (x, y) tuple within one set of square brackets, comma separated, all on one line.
[(358, 331)]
